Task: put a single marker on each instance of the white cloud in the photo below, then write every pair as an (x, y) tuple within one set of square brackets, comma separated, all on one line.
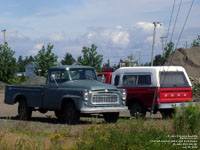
[(38, 46), (35, 50), (146, 26), (61, 36), (15, 34), (121, 38)]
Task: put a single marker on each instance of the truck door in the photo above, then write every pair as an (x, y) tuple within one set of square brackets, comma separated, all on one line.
[(52, 93)]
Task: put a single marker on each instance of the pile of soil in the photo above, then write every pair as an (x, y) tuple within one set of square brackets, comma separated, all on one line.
[(2, 85), (189, 58), (35, 81)]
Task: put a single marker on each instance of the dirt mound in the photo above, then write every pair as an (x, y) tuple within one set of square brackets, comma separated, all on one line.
[(189, 58), (2, 85), (35, 81)]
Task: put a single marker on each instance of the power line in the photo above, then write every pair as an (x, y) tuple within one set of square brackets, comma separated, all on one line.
[(181, 33), (163, 45), (170, 22), (184, 24), (176, 20)]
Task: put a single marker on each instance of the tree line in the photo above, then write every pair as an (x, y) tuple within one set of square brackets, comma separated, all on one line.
[(45, 58)]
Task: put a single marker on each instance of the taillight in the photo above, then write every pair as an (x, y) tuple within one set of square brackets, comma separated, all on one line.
[(158, 95)]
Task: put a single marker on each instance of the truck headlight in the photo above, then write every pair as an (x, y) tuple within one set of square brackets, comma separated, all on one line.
[(85, 95), (124, 95)]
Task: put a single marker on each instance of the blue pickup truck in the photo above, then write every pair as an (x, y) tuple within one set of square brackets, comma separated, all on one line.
[(71, 92)]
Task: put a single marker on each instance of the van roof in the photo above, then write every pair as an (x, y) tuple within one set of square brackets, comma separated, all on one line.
[(153, 70), (150, 69)]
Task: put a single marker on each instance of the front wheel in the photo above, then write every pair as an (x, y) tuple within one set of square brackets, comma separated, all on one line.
[(59, 114), (24, 111), (111, 117), (71, 114), (137, 110)]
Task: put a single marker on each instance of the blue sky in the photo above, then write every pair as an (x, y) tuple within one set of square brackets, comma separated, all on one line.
[(118, 27)]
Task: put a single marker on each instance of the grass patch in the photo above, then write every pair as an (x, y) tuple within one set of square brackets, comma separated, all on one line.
[(149, 134)]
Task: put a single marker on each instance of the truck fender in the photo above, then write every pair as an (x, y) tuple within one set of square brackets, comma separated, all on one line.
[(15, 97), (77, 100)]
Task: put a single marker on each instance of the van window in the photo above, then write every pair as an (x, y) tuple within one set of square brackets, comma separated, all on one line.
[(116, 81), (144, 80), (173, 79), (129, 80)]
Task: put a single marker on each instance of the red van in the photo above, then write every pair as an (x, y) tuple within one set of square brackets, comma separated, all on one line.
[(152, 88)]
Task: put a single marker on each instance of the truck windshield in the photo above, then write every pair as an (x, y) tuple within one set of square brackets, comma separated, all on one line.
[(173, 79), (82, 74)]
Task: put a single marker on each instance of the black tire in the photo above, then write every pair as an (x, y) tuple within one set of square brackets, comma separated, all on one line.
[(71, 115), (167, 114), (111, 117), (59, 114), (137, 110), (24, 111)]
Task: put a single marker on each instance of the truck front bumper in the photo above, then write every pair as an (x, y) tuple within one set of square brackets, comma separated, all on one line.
[(172, 105), (97, 110)]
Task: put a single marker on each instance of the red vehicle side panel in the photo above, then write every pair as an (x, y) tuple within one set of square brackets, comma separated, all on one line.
[(144, 94)]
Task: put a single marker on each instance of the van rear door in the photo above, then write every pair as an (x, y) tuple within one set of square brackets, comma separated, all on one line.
[(174, 88)]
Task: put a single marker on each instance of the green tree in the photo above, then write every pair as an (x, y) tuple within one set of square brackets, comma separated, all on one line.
[(91, 57), (21, 63), (68, 60), (196, 42), (45, 59), (130, 61), (8, 65), (168, 50), (161, 59), (107, 64)]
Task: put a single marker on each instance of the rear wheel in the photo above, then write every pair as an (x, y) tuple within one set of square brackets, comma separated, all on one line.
[(137, 110), (168, 113), (111, 117), (24, 111), (71, 115)]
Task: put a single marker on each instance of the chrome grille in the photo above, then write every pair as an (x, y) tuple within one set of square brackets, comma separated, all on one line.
[(104, 99)]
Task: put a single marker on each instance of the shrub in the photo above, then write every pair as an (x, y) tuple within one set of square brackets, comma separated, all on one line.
[(187, 119), (127, 136)]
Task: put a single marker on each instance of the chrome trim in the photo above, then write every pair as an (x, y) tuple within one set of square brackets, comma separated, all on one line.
[(104, 95), (172, 105), (96, 110)]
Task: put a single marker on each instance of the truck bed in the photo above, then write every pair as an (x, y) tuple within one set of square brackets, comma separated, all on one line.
[(33, 94)]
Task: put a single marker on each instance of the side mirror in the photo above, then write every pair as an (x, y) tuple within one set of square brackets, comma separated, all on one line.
[(53, 77)]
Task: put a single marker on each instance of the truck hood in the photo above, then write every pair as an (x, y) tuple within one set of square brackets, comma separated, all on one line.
[(88, 84)]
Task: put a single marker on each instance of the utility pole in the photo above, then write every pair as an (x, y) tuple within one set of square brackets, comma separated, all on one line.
[(186, 44), (154, 35), (163, 46), (4, 32), (139, 60)]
